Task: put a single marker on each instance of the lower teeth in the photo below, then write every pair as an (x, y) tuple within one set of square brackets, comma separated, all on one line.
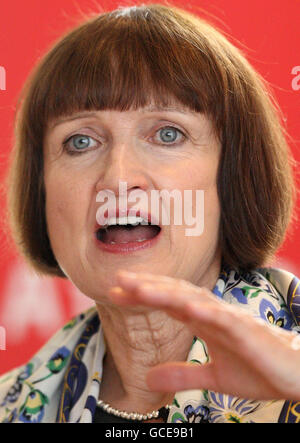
[(125, 242)]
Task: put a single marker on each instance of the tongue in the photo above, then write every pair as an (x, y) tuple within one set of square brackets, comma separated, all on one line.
[(122, 234)]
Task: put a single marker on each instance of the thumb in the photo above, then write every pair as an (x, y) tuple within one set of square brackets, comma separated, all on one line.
[(179, 376)]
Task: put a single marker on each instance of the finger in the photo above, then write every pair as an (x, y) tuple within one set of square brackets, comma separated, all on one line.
[(124, 298), (133, 277), (165, 292), (225, 324), (121, 297), (234, 328), (131, 280), (183, 302), (178, 305), (177, 376), (147, 296), (174, 377), (218, 321)]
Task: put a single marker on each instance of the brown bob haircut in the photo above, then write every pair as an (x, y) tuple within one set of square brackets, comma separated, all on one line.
[(126, 58)]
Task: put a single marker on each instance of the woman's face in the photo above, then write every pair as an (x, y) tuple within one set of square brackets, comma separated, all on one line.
[(170, 149)]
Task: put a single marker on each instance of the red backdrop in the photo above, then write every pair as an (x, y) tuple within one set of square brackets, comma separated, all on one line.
[(32, 308)]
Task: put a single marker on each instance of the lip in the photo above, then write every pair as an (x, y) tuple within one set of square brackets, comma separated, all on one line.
[(130, 247)]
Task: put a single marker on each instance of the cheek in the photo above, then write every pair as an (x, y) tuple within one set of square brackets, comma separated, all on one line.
[(57, 209), (205, 205), (58, 216), (65, 201), (202, 177)]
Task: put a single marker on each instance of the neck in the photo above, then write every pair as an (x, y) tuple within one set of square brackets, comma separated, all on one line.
[(137, 339)]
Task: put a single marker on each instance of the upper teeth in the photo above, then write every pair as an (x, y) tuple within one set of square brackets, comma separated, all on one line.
[(132, 220)]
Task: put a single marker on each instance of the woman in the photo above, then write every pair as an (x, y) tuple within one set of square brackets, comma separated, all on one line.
[(155, 98)]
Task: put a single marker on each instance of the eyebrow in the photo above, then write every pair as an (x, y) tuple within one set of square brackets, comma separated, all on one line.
[(72, 117), (143, 110)]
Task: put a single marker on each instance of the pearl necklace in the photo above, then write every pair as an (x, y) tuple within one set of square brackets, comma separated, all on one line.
[(129, 415)]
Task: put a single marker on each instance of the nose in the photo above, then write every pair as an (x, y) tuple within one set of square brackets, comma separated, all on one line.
[(123, 164)]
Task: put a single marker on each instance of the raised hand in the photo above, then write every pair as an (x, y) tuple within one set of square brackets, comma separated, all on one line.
[(248, 357)]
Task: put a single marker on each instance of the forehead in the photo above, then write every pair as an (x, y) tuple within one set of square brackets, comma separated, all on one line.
[(175, 107)]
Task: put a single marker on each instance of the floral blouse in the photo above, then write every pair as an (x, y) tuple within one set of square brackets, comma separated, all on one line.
[(61, 383)]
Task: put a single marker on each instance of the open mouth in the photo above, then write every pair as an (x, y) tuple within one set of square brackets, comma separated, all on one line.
[(122, 234)]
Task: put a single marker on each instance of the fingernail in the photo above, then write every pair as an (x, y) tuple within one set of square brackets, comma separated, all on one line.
[(116, 290), (127, 274)]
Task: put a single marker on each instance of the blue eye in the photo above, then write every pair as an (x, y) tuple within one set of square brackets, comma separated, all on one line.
[(78, 143), (169, 134), (81, 141)]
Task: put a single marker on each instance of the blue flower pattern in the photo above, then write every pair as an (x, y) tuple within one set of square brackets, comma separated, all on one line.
[(225, 408), (274, 316)]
